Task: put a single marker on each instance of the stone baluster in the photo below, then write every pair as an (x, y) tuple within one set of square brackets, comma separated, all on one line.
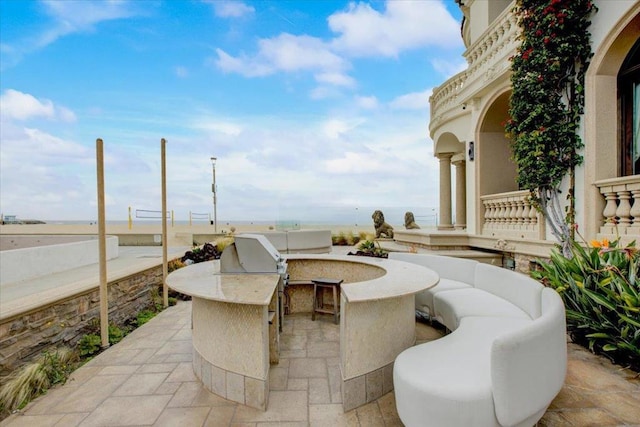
[(519, 211), (624, 210), (525, 212), (513, 212), (502, 218), (610, 208), (533, 215), (635, 208), (487, 214)]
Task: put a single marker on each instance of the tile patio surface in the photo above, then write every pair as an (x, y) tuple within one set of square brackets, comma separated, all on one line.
[(147, 380)]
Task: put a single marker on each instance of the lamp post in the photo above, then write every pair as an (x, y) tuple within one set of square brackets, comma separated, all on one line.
[(213, 190)]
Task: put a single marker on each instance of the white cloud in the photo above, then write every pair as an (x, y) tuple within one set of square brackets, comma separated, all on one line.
[(69, 17), (74, 16), (356, 163), (324, 92), (412, 101), (367, 102), (448, 68), (216, 125), (288, 53), (17, 105), (335, 128), (402, 25), (334, 78), (231, 8)]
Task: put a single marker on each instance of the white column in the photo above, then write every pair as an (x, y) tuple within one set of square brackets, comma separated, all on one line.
[(445, 191), (461, 194)]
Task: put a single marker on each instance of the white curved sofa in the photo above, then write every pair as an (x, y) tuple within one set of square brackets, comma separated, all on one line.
[(505, 359)]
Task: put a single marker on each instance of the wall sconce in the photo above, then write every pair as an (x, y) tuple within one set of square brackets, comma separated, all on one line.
[(472, 153)]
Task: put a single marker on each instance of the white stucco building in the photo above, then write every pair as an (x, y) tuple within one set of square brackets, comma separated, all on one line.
[(467, 116)]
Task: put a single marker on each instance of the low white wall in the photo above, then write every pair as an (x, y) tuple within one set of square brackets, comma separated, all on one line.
[(309, 241), (300, 241), (23, 264)]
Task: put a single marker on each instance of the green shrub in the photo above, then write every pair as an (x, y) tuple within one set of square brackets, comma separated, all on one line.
[(601, 291), (35, 378), (339, 239), (116, 334), (144, 316), (89, 344)]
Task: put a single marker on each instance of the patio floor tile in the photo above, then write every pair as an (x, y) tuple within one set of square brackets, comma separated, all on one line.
[(153, 384)]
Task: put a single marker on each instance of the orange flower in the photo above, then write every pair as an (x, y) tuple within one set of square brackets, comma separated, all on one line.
[(603, 244)]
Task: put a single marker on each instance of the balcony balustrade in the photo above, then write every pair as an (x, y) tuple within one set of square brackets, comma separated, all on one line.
[(511, 215), (621, 214), (487, 58)]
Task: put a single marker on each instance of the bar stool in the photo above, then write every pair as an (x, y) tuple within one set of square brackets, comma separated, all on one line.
[(319, 285)]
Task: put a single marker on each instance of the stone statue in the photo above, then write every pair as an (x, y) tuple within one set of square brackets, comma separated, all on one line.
[(410, 221), (382, 228)]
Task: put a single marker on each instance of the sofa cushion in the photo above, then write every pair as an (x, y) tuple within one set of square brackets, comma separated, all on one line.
[(424, 299), (514, 287), (451, 306), (459, 269), (447, 382), (528, 366)]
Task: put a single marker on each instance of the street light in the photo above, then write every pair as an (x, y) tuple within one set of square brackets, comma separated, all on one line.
[(213, 190)]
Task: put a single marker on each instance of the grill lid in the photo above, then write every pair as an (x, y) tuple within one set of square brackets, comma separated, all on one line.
[(251, 253)]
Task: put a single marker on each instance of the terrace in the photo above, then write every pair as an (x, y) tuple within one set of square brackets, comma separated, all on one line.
[(148, 379)]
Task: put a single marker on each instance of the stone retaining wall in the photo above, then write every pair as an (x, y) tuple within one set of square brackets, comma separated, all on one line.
[(63, 323)]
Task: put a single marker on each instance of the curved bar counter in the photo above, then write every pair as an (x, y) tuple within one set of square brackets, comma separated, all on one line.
[(233, 341), (377, 316)]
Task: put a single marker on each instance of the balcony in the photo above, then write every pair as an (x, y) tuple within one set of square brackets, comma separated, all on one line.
[(487, 59), (621, 214)]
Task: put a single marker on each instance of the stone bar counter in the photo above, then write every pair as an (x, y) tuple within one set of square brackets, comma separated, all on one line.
[(235, 329), (377, 315)]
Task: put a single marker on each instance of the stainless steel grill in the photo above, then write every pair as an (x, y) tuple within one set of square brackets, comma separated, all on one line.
[(254, 254)]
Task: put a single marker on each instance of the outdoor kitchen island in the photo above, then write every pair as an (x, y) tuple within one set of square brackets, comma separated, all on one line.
[(235, 330), (236, 317)]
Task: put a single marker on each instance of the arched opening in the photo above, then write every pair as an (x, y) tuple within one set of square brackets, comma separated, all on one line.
[(496, 169), (608, 131), (629, 102)]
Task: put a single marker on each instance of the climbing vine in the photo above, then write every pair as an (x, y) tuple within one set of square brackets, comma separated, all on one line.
[(547, 102)]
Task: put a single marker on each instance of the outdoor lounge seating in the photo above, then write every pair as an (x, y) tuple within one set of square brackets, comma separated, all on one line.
[(505, 359)]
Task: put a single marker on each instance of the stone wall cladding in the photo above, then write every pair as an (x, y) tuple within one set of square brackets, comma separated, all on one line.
[(64, 322)]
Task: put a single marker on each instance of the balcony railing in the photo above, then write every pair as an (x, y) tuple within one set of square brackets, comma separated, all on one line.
[(487, 58), (511, 215), (621, 214)]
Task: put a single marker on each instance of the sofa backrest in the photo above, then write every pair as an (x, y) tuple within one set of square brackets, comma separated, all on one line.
[(460, 269), (528, 366), (309, 241), (278, 239), (515, 287)]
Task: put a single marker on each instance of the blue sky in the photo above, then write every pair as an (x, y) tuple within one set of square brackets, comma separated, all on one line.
[(311, 107)]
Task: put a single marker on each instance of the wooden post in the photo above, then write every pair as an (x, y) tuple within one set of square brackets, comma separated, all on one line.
[(165, 290), (102, 249)]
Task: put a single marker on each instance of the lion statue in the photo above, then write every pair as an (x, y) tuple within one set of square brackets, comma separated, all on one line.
[(382, 228), (410, 221)]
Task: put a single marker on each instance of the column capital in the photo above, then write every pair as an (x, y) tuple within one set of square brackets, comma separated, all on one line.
[(445, 156), (458, 162)]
